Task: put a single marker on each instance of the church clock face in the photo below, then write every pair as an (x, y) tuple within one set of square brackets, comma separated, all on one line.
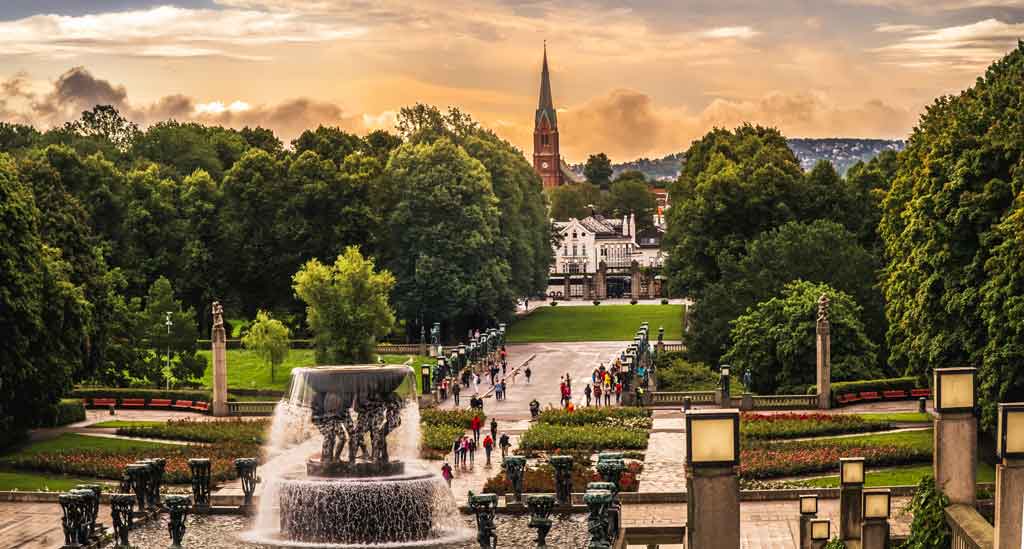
[(544, 165)]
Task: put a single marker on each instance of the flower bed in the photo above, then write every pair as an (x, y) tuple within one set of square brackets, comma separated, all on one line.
[(798, 425), (226, 430), (629, 417), (456, 418), (541, 479), (437, 440), (591, 438), (764, 461)]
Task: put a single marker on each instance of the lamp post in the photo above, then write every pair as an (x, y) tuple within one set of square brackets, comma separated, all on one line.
[(956, 434), (425, 378), (712, 456), (1009, 476), (875, 530), (808, 512), (726, 397), (168, 323), (821, 531), (851, 490)]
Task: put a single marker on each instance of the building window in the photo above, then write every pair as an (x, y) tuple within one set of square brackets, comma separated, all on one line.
[(584, 249), (574, 234), (565, 251), (604, 252), (574, 250)]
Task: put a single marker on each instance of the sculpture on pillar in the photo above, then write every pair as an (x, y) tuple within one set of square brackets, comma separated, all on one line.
[(824, 355), (218, 339), (598, 502), (483, 507), (563, 478), (823, 308), (121, 518), (514, 468), (177, 507), (540, 517), (200, 481)]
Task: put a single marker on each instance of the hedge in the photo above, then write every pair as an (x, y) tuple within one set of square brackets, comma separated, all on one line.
[(68, 410), (461, 418), (800, 424), (543, 436), (594, 415), (128, 392), (223, 430), (877, 385)]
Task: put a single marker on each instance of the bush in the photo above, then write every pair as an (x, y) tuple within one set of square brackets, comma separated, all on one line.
[(928, 529), (878, 385), (664, 302), (591, 438), (461, 418), (121, 393), (596, 416), (596, 302), (798, 425), (68, 410), (437, 440), (681, 375), (225, 430), (553, 303), (632, 302)]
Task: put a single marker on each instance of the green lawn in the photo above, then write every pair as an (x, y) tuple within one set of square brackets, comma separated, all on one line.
[(39, 482), (900, 417), (596, 323), (71, 441), (917, 439), (117, 424), (897, 476)]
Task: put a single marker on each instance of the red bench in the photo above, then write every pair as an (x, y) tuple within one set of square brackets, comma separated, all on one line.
[(894, 394), (846, 398), (183, 405), (133, 403), (104, 402), (159, 403), (870, 395), (918, 393), (201, 407)]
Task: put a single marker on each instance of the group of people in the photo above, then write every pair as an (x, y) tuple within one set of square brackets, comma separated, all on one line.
[(606, 382), (465, 447)]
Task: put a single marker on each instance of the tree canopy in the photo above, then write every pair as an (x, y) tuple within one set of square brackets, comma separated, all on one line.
[(598, 170)]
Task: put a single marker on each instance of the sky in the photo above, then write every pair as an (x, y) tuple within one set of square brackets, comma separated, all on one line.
[(631, 79)]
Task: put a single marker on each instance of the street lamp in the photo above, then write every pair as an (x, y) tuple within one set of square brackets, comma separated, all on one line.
[(168, 323), (712, 438), (851, 470), (877, 503), (821, 530), (1010, 443), (955, 389), (809, 505), (425, 377)]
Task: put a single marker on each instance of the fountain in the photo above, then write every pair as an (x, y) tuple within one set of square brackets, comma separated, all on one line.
[(325, 487)]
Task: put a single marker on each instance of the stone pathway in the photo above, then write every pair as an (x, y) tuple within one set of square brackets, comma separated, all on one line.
[(35, 525), (665, 457)]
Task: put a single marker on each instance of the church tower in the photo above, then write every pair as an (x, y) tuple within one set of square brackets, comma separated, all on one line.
[(546, 158)]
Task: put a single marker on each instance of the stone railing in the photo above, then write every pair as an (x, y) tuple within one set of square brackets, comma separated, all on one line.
[(398, 349), (970, 529), (673, 347), (252, 408), (675, 398), (784, 402)]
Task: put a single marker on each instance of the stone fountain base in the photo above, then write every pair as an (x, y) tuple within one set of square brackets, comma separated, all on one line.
[(315, 467)]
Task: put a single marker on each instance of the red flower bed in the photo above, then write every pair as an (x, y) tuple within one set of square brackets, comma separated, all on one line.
[(755, 426), (797, 459)]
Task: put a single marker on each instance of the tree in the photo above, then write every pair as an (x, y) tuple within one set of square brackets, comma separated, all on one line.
[(575, 200), (16, 136), (346, 306), (775, 340), (262, 138), (268, 338), (821, 251), (598, 170), (184, 148), (104, 121), (951, 227), (176, 343), (630, 196), (329, 142)]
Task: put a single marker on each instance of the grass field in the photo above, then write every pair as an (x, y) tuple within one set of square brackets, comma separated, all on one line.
[(596, 323), (71, 441), (900, 417), (921, 439), (40, 482), (246, 370), (897, 476)]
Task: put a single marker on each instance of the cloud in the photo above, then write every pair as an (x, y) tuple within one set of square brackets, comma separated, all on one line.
[(968, 47), (741, 33), (166, 32), (932, 6)]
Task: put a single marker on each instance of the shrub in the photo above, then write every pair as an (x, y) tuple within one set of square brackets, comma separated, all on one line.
[(437, 440), (553, 303), (596, 302), (461, 418), (66, 411), (226, 430), (797, 425), (680, 375), (547, 437), (928, 529), (835, 543), (632, 302), (629, 417), (664, 302), (120, 393), (879, 385)]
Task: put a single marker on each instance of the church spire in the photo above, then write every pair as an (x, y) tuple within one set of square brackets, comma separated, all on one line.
[(546, 106)]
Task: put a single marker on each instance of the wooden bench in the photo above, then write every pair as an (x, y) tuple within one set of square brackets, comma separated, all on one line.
[(847, 398), (103, 402), (133, 403), (201, 407), (159, 403), (918, 393), (182, 405), (870, 395), (894, 395)]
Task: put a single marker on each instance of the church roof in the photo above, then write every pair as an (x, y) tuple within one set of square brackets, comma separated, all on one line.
[(546, 105)]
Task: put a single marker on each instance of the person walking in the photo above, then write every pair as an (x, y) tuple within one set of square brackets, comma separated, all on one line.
[(475, 424), (504, 389), (456, 389), (607, 394), (476, 383), (488, 446), (464, 450), (528, 373), (456, 450), (618, 391), (534, 409), (586, 393), (494, 428), (504, 443), (597, 395), (472, 452), (446, 473)]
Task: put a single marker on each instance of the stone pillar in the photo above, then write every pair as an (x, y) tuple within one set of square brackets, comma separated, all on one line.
[(220, 362), (805, 531), (875, 534), (824, 356), (568, 286), (713, 508), (956, 456), (851, 511), (634, 282), (1009, 503), (601, 280)]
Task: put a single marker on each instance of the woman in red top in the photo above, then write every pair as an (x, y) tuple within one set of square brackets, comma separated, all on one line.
[(488, 446), (475, 426)]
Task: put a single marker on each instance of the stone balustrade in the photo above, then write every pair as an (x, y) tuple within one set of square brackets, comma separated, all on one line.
[(970, 530)]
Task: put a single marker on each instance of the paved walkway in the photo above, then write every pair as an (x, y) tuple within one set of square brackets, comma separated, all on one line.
[(35, 525), (665, 457)]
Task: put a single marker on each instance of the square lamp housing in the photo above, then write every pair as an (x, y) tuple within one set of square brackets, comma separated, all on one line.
[(725, 369), (1010, 443), (712, 438), (955, 389), (851, 471), (821, 530), (877, 504), (809, 505)]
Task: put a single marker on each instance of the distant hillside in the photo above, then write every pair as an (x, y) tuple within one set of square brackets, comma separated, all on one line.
[(842, 152)]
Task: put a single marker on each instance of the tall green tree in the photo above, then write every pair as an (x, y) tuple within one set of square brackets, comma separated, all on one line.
[(598, 170), (173, 346), (632, 196), (104, 121), (268, 338), (576, 200), (346, 306), (951, 231)]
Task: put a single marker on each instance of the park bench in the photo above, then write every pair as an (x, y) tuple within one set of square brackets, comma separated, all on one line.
[(159, 403), (103, 402), (182, 404), (894, 395), (201, 407), (846, 398), (870, 395), (918, 393), (133, 403)]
